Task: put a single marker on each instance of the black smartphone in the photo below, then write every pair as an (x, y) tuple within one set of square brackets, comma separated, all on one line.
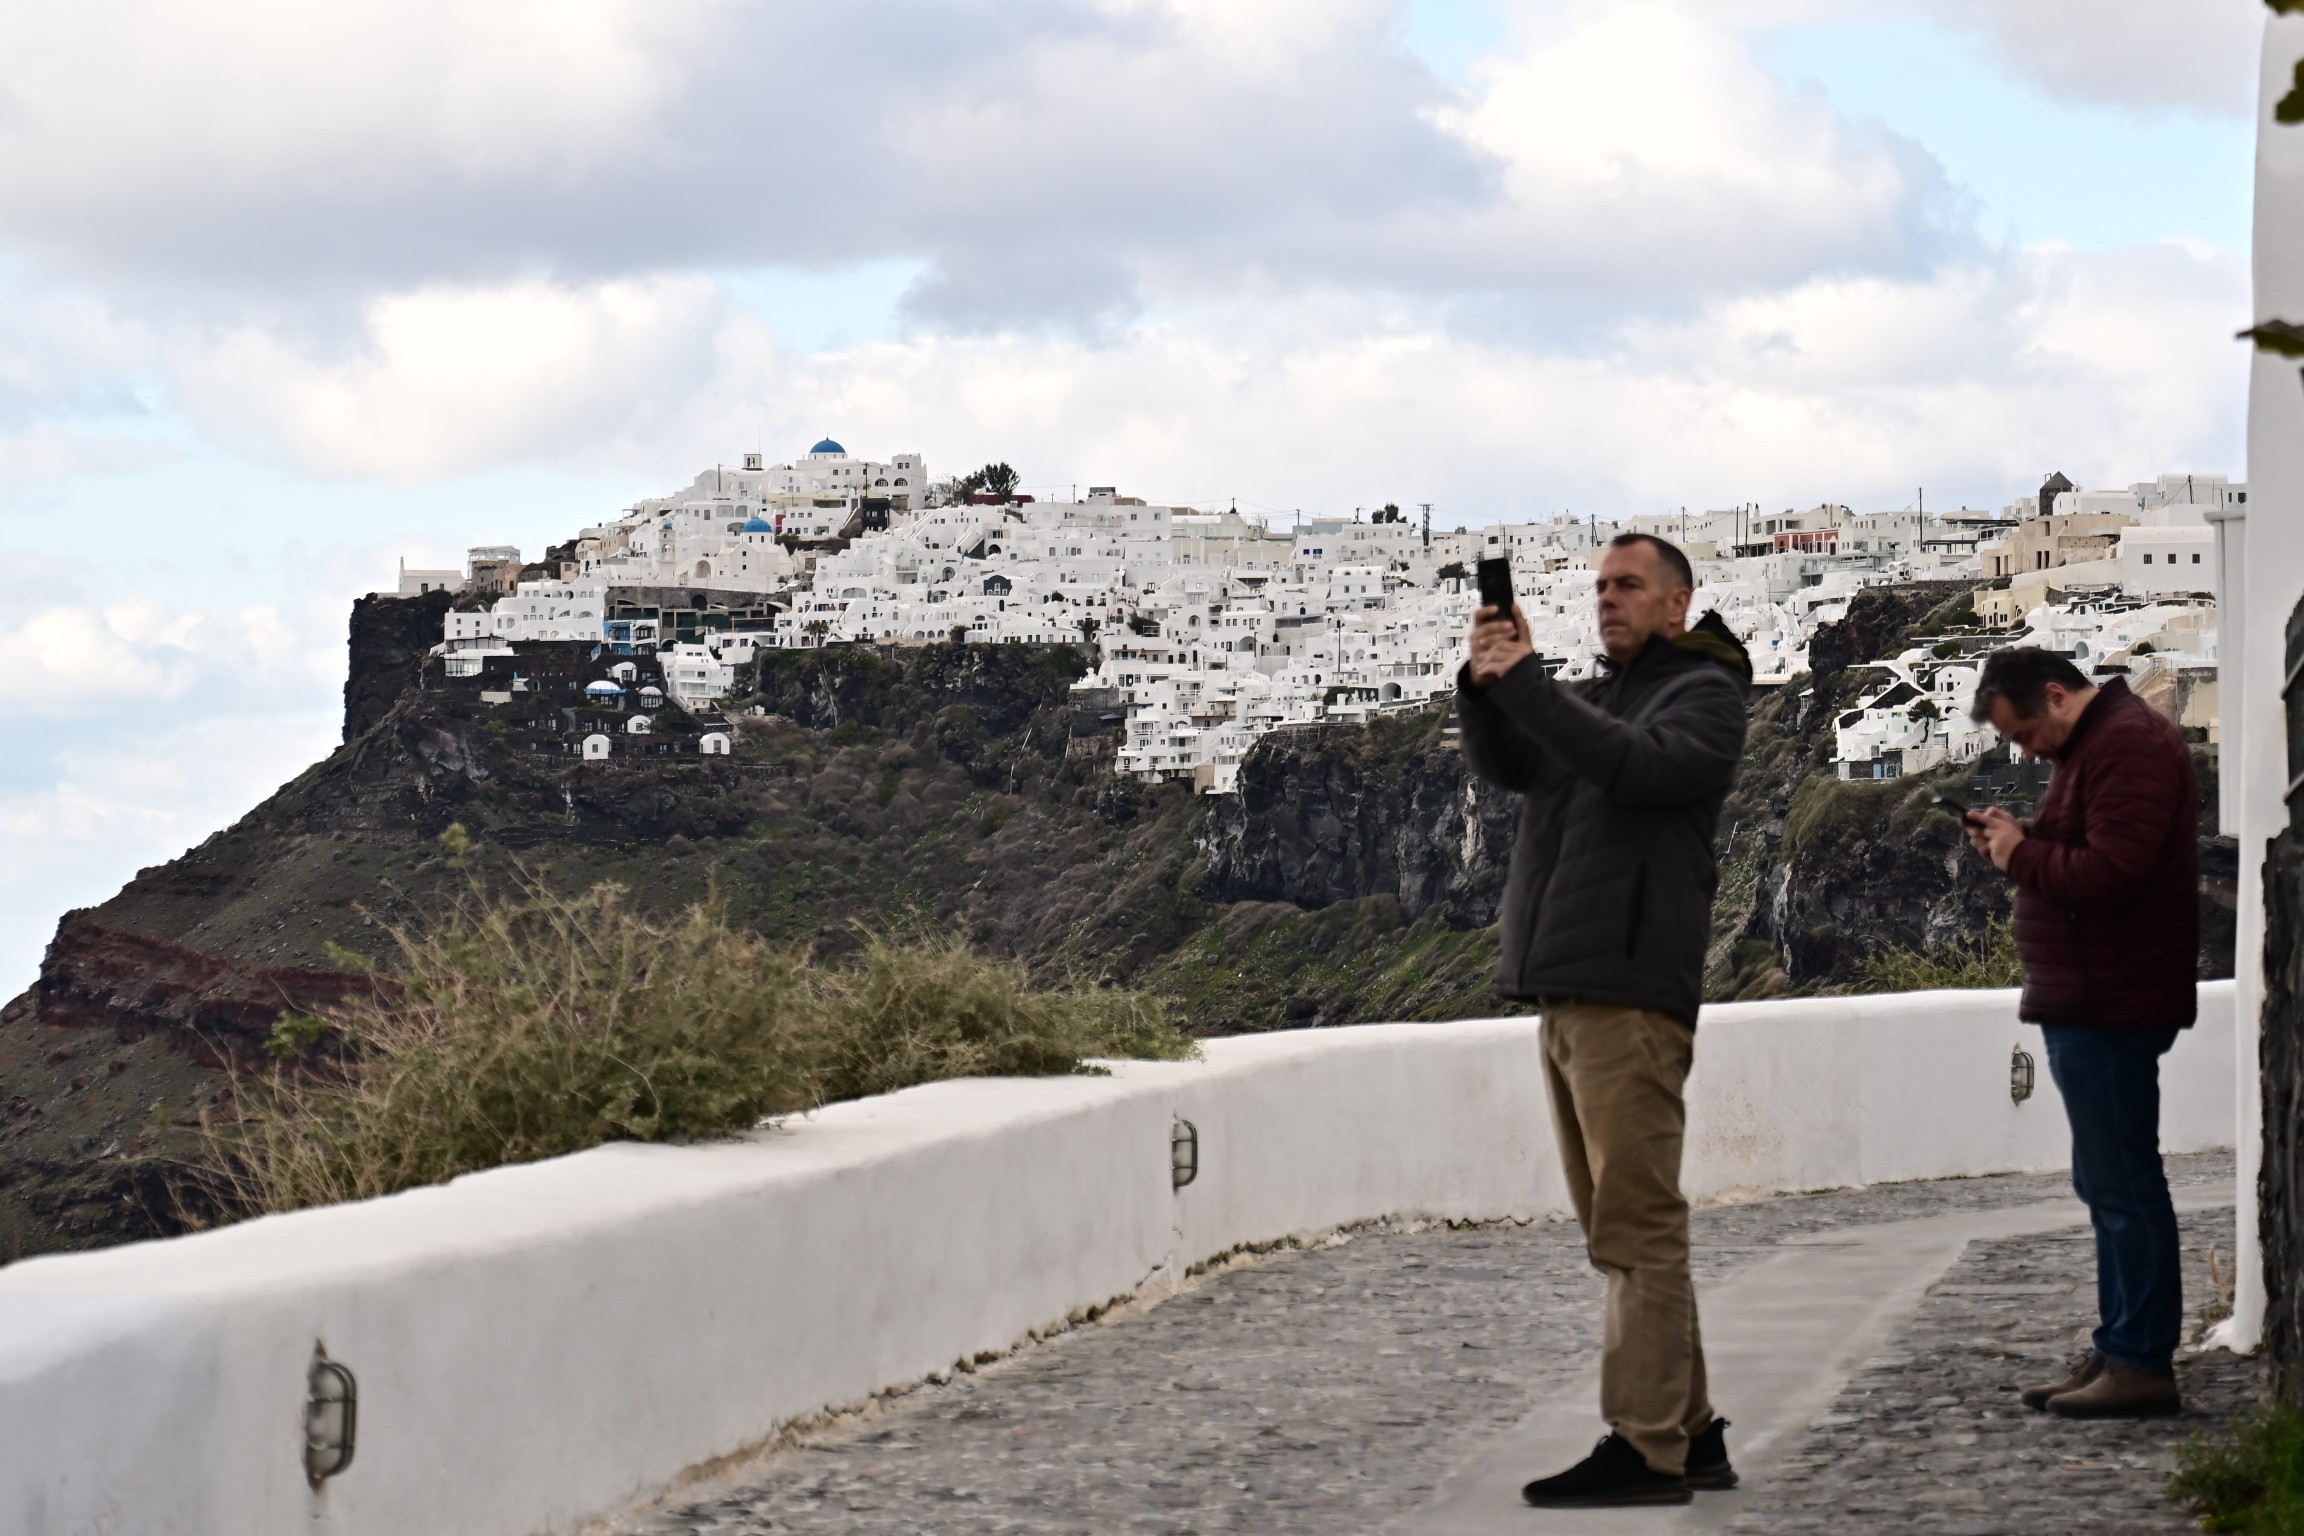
[(1495, 575), (1961, 805)]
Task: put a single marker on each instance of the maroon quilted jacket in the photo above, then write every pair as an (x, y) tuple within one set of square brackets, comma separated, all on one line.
[(2108, 874)]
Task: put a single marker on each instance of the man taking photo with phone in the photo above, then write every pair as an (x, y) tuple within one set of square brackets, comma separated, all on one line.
[(1607, 911), (2108, 927)]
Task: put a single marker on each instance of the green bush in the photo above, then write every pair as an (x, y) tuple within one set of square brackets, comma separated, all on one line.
[(1987, 960), (531, 1025), (2252, 1480)]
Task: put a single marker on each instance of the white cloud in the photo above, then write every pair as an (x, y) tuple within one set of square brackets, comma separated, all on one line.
[(1064, 160), (2112, 366), (451, 380), (2144, 55), (1849, 385), (117, 102), (79, 661), (1642, 144)]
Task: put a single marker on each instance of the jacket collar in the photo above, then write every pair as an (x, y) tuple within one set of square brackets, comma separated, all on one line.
[(2108, 695), (1657, 648)]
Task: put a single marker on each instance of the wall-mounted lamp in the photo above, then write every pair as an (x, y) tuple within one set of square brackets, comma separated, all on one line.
[(2019, 1075), (331, 1413), (1183, 1153)]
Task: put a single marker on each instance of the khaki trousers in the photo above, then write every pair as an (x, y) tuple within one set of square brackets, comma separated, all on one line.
[(1615, 1076)]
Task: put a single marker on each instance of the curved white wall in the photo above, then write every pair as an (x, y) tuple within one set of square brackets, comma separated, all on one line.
[(542, 1344)]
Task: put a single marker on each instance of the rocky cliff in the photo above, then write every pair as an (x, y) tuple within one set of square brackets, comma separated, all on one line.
[(1328, 816)]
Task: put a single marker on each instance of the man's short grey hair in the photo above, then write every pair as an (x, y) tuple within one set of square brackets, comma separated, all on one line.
[(1667, 555)]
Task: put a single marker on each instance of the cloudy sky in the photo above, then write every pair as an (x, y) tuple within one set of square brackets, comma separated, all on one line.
[(292, 288)]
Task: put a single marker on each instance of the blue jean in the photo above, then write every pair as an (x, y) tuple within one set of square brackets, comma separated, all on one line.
[(2110, 1080)]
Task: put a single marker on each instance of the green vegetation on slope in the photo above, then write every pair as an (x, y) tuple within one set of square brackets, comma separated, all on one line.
[(1261, 965)]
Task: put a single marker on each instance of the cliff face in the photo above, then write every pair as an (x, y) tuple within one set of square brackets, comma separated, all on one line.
[(388, 639), (1327, 816)]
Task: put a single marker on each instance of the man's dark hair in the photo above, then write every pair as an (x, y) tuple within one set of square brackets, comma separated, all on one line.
[(1667, 555), (2021, 675)]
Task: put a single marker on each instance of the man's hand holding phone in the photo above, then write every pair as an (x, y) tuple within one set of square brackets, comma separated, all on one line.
[(1993, 833), (1499, 643), (1499, 628)]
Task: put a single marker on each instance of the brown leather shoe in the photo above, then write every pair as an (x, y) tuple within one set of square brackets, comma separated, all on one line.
[(2089, 1368), (2119, 1393)]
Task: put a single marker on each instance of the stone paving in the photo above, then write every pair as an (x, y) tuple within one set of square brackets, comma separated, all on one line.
[(1928, 1437), (1327, 1389)]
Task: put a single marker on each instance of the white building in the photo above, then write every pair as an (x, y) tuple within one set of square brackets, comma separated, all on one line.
[(416, 583), (2156, 562), (1212, 629)]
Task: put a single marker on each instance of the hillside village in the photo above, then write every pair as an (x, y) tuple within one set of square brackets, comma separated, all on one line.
[(1212, 629)]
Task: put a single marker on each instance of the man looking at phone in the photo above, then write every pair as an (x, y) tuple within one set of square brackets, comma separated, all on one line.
[(1607, 911), (2107, 925)]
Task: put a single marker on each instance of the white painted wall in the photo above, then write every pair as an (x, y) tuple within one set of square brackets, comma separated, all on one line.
[(2254, 644), (541, 1344)]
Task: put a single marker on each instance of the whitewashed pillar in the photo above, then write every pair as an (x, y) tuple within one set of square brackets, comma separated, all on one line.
[(2274, 582)]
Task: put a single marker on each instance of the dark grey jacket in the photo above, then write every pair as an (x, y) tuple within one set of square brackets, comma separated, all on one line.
[(1610, 894)]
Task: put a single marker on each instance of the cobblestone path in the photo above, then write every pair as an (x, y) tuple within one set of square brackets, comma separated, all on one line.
[(1325, 1390), (1928, 1436)]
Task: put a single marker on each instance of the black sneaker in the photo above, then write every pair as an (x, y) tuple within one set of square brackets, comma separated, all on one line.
[(1708, 1467), (1613, 1474)]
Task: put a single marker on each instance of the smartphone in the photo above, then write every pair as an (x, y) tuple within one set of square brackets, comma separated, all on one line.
[(1960, 804), (1495, 575)]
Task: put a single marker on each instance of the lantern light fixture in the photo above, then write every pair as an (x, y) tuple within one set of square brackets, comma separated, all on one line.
[(331, 1414), (2020, 1075), (1183, 1152)]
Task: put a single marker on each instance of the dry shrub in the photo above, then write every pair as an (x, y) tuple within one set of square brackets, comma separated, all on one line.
[(917, 1011), (531, 1025), (1987, 960)]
